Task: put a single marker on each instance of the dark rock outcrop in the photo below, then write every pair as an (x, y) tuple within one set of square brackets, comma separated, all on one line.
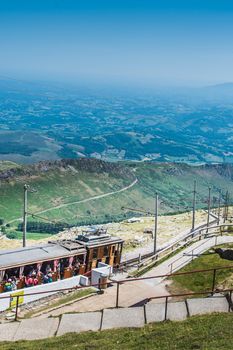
[(90, 165), (224, 253)]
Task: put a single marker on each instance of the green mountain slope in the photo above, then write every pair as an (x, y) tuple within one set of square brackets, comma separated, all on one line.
[(90, 191)]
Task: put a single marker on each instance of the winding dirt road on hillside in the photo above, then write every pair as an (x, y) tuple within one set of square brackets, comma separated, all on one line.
[(81, 201)]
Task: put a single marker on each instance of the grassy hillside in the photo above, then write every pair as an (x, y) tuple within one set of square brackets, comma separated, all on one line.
[(204, 332), (68, 181)]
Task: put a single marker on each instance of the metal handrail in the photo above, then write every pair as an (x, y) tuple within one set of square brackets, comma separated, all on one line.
[(191, 293), (196, 234), (192, 250), (217, 226), (192, 234), (151, 255), (126, 280), (118, 283)]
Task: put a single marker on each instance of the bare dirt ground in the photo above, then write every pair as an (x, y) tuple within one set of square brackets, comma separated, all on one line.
[(133, 233)]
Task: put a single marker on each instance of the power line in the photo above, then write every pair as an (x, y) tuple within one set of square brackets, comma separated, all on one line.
[(46, 219)]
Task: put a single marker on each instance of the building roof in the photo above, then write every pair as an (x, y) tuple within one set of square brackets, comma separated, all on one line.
[(39, 253)]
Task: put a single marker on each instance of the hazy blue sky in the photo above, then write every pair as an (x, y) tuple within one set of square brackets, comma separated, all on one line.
[(138, 41)]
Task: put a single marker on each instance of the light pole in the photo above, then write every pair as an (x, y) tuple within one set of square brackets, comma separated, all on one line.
[(26, 188), (25, 204), (219, 207), (156, 222), (226, 207), (155, 214), (208, 215), (194, 205)]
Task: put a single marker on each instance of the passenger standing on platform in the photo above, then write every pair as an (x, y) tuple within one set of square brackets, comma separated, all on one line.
[(35, 281), (14, 283), (48, 269), (76, 267), (28, 281), (46, 279), (8, 285)]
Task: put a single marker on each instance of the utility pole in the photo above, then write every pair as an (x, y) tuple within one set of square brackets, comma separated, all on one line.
[(194, 204), (153, 214), (228, 201), (209, 203), (219, 207), (25, 203), (226, 207), (156, 222)]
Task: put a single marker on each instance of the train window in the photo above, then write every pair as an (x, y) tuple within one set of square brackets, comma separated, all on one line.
[(95, 253), (106, 249)]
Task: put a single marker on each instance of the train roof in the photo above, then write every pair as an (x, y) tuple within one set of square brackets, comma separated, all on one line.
[(97, 239), (39, 253)]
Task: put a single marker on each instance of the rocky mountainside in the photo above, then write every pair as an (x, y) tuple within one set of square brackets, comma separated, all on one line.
[(90, 165)]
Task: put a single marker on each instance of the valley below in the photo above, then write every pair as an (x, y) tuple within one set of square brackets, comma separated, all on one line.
[(48, 122)]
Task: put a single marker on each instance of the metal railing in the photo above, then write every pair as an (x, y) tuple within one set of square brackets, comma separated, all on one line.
[(212, 291), (197, 234), (186, 254), (171, 246), (206, 239), (213, 271), (125, 281)]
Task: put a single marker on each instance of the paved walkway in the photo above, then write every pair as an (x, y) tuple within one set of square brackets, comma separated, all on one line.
[(37, 328), (133, 292)]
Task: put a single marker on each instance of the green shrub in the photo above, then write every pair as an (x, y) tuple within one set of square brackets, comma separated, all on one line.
[(12, 235)]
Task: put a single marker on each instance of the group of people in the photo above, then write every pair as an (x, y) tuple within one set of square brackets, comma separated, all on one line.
[(40, 274), (48, 276), (33, 278)]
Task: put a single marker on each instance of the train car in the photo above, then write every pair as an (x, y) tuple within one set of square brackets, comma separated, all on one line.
[(101, 247), (30, 266)]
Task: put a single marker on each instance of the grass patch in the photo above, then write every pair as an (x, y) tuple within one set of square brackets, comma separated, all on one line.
[(203, 281), (30, 235), (71, 297), (200, 332)]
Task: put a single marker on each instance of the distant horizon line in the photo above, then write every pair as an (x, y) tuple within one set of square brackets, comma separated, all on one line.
[(114, 83)]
